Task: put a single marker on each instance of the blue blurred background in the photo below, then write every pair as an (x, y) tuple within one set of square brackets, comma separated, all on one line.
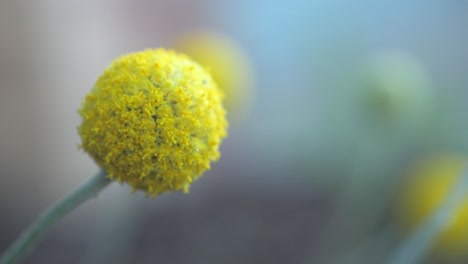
[(283, 165)]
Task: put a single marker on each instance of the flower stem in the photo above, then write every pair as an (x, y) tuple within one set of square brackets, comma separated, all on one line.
[(33, 233), (357, 212)]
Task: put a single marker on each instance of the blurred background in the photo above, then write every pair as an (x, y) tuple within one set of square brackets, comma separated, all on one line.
[(343, 98)]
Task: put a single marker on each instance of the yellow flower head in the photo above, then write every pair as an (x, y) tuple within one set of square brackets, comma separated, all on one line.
[(428, 185), (155, 120), (226, 61)]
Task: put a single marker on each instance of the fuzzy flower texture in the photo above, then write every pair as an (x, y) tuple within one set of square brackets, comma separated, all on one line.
[(154, 120)]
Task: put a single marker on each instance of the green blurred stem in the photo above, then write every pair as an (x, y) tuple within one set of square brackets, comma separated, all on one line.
[(34, 233), (357, 210), (417, 245)]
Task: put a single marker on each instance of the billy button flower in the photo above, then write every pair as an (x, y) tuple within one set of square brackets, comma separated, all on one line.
[(394, 97), (434, 201), (396, 89), (153, 120), (228, 63)]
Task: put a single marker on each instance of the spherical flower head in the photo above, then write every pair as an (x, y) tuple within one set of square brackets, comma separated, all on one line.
[(226, 61), (155, 120), (396, 88), (427, 186)]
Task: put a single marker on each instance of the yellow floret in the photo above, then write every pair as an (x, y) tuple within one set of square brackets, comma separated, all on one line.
[(428, 186), (155, 120)]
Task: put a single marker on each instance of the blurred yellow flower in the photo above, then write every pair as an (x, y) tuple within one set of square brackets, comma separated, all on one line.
[(226, 61), (154, 120), (426, 188)]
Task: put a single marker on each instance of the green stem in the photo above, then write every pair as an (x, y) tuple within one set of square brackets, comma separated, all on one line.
[(357, 211), (33, 233), (417, 245)]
